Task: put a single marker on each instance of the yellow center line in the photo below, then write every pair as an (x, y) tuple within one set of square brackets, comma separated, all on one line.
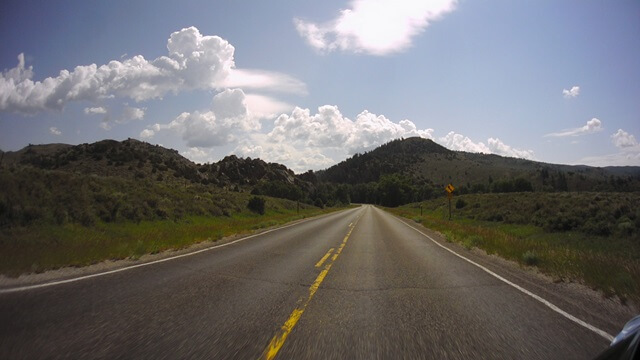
[(324, 258), (278, 339)]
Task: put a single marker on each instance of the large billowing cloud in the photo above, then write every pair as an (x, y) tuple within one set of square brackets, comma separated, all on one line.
[(454, 141), (377, 27), (303, 140), (297, 158), (459, 142), (328, 128), (228, 118), (592, 126), (193, 62), (498, 147)]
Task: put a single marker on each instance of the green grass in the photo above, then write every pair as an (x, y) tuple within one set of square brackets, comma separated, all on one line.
[(43, 247), (610, 264)]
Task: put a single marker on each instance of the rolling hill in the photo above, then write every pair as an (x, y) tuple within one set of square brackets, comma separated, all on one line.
[(112, 181), (425, 163), (133, 180)]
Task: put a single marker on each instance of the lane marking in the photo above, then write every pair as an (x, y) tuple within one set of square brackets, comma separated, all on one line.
[(547, 303), (59, 282), (281, 335), (324, 258), (278, 339)]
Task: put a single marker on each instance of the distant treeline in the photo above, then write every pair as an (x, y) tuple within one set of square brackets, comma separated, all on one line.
[(390, 190)]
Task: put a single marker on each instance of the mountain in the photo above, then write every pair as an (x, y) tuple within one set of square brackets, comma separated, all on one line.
[(99, 179), (424, 163), (131, 181), (133, 159)]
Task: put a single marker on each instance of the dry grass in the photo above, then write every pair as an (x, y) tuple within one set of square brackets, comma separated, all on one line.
[(45, 247), (610, 264)]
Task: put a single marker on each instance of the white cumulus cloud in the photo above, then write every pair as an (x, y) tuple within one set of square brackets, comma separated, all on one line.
[(499, 148), (459, 142), (147, 134), (571, 93), (376, 27), (303, 140), (128, 114), (328, 128), (131, 113), (628, 154), (95, 110), (197, 155), (194, 61), (54, 130), (623, 139), (228, 118), (592, 126), (296, 158)]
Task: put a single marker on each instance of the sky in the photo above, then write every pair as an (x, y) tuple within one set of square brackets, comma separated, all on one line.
[(311, 83)]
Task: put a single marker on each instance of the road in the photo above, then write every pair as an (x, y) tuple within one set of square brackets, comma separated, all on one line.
[(359, 284)]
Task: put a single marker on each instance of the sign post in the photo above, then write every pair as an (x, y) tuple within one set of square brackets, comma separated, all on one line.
[(449, 189)]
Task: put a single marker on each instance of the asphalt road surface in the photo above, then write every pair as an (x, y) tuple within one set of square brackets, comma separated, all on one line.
[(359, 284)]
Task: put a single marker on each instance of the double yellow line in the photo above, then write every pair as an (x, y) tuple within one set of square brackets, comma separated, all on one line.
[(278, 339)]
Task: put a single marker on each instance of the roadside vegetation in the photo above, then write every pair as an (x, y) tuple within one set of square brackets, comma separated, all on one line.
[(593, 238), (51, 219)]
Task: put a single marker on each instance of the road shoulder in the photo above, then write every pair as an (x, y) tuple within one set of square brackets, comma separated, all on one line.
[(577, 299), (109, 266)]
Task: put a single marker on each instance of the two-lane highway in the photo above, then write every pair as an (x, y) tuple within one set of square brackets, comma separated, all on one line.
[(354, 284)]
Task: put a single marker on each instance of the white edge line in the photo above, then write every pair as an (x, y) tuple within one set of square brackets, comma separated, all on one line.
[(59, 282), (553, 307)]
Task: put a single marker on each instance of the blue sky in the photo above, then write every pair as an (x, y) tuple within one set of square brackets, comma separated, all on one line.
[(308, 84)]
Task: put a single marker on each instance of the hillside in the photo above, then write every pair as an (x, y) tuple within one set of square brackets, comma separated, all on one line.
[(133, 159), (113, 181), (396, 173), (424, 163)]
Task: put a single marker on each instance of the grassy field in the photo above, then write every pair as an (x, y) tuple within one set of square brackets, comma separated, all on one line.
[(561, 234), (39, 248)]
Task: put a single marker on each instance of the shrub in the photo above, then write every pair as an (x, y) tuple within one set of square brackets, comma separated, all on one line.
[(598, 227), (495, 217), (460, 204), (626, 227), (530, 258), (448, 235), (562, 222), (256, 204), (471, 242)]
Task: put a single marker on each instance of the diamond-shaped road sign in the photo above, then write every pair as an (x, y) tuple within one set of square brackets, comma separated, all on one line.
[(449, 188)]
